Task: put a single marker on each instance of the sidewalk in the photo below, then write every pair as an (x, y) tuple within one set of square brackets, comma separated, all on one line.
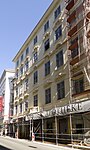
[(64, 147)]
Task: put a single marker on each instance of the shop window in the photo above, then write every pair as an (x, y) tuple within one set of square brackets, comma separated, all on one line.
[(79, 128)]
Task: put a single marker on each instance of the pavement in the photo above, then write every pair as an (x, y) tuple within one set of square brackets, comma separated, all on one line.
[(40, 145)]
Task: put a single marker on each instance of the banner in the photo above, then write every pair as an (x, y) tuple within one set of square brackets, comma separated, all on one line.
[(1, 103)]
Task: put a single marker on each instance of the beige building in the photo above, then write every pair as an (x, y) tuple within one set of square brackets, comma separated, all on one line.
[(51, 88)]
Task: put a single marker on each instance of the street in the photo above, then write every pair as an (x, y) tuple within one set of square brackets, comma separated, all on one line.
[(7, 143)]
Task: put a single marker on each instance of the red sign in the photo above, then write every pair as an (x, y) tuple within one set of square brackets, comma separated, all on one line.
[(1, 103)]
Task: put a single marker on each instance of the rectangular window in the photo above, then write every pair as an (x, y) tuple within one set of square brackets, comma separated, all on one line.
[(60, 90), (26, 105), (35, 40), (58, 32), (57, 12), (35, 56), (16, 91), (17, 64), (27, 51), (35, 77), (21, 57), (46, 26), (35, 100), (26, 65), (74, 52), (16, 109), (20, 107), (26, 84), (46, 45), (59, 59), (48, 96), (78, 86), (21, 70), (47, 68)]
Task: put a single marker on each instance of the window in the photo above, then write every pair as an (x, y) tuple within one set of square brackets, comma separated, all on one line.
[(35, 77), (78, 86), (16, 91), (46, 45), (21, 57), (35, 56), (20, 107), (58, 32), (59, 59), (26, 65), (21, 70), (48, 95), (26, 84), (35, 40), (46, 26), (35, 100), (26, 105), (57, 12), (74, 52), (16, 109), (27, 51), (60, 90), (47, 68)]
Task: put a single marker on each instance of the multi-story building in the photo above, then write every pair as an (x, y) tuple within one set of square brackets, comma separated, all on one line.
[(5, 85), (78, 32), (52, 84)]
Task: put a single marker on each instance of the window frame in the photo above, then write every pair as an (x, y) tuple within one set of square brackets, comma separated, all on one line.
[(48, 96), (61, 90)]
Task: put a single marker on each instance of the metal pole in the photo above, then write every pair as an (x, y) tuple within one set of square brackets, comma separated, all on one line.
[(56, 130), (42, 130), (30, 130)]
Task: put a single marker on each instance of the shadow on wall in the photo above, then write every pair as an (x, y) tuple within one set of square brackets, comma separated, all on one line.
[(4, 148)]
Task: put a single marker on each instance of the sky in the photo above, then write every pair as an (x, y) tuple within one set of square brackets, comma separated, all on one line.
[(17, 20)]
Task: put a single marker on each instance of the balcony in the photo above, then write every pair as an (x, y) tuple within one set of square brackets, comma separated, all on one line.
[(76, 58), (74, 45), (70, 4), (71, 17), (76, 25)]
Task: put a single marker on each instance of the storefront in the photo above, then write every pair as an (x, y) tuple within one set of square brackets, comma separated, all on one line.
[(62, 124)]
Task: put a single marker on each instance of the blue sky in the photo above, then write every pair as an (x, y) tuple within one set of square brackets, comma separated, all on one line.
[(17, 20)]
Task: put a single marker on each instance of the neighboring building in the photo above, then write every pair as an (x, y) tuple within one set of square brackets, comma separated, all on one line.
[(5, 92), (52, 83)]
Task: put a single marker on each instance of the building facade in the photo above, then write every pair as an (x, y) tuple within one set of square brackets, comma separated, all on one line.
[(5, 85), (52, 83)]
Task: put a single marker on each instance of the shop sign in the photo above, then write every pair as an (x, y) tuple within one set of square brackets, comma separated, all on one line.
[(68, 109)]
